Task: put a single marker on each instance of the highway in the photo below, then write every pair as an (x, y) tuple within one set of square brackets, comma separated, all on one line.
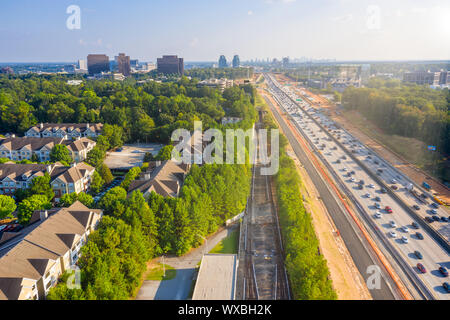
[(401, 242), (354, 241)]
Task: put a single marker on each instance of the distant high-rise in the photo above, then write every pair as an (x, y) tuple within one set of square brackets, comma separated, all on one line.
[(82, 64), (170, 65), (97, 63), (222, 62), (285, 62), (422, 77), (134, 63), (236, 62), (123, 64)]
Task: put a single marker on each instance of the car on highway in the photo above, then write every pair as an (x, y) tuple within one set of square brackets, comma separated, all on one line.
[(446, 286), (394, 187), (388, 209), (436, 218), (434, 204), (421, 268), (443, 271), (392, 224), (405, 239), (444, 219), (429, 220), (393, 234), (415, 225), (416, 207), (405, 229), (378, 215), (393, 181), (418, 254)]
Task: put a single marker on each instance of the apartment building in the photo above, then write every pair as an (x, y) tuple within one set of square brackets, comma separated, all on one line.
[(164, 178), (76, 178), (31, 263), (65, 130), (23, 148), (63, 179)]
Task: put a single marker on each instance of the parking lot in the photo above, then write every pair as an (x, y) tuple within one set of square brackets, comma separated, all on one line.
[(130, 156)]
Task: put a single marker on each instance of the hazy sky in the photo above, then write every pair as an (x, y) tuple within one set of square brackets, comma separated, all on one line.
[(201, 30)]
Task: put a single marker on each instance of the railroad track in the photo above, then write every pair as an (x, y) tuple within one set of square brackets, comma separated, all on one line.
[(264, 275)]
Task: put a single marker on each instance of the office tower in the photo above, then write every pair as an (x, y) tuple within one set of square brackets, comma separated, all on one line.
[(123, 64), (236, 62), (82, 64), (422, 77), (170, 65), (285, 62), (134, 63), (222, 62), (97, 63)]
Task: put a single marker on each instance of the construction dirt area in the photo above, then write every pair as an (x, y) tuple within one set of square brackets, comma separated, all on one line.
[(368, 134), (347, 280)]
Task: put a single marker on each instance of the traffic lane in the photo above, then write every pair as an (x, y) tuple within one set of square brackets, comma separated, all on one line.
[(432, 282), (357, 250)]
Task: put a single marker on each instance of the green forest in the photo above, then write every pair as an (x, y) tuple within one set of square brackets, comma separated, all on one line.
[(145, 112), (404, 109), (220, 73)]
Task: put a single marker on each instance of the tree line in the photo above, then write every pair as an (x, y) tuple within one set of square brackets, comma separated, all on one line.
[(146, 111), (407, 110), (220, 73)]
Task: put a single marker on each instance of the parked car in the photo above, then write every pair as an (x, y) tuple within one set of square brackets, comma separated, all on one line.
[(433, 211), (421, 268), (419, 236), (388, 209), (418, 255), (383, 190), (405, 239), (393, 234), (377, 205), (377, 198), (405, 229), (434, 204), (436, 218), (393, 224), (444, 219), (443, 271), (378, 215), (446, 286), (415, 225)]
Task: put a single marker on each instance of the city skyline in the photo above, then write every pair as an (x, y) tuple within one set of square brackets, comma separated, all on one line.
[(378, 30)]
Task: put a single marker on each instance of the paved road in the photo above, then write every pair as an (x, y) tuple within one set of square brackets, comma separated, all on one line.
[(434, 255), (352, 239), (179, 287)]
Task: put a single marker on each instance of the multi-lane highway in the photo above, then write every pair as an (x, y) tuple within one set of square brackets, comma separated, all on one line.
[(395, 231)]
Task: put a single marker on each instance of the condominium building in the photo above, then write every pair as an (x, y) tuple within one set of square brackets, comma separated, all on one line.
[(32, 261), (164, 178), (23, 148), (69, 130), (63, 179)]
